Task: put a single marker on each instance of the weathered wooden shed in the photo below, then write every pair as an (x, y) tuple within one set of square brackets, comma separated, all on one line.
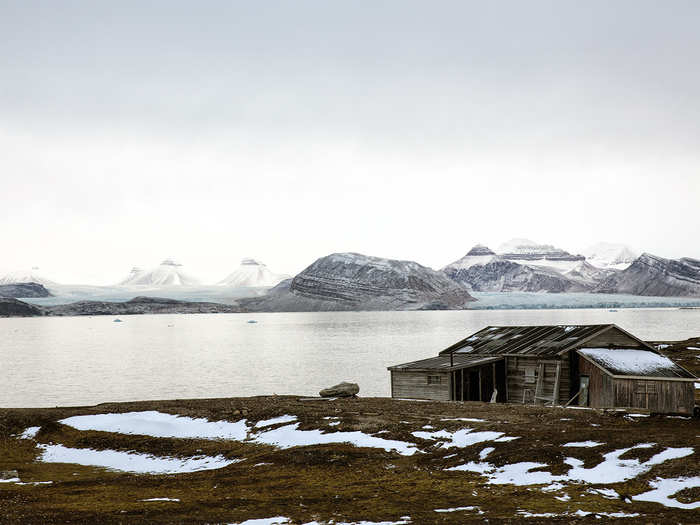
[(588, 365)]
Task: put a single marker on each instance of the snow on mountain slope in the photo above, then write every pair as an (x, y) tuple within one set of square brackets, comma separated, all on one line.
[(351, 281), (25, 276), (523, 246), (169, 273), (252, 273), (542, 269), (478, 255), (587, 274), (524, 251), (134, 274), (656, 276), (610, 255)]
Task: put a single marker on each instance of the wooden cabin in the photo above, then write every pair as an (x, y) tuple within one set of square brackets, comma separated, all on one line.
[(601, 366)]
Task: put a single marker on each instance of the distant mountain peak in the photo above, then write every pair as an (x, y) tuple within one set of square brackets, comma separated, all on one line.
[(168, 273), (25, 276), (610, 255), (252, 273), (480, 249)]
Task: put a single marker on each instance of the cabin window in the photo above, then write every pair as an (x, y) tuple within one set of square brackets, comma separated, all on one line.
[(434, 380), (529, 374)]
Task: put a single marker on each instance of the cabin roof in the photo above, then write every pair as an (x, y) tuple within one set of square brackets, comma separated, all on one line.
[(540, 341), (634, 362), (443, 363)]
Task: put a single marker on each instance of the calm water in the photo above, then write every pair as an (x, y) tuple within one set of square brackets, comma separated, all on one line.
[(89, 360)]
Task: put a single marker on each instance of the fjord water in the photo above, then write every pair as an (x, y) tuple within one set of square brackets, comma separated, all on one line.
[(60, 361)]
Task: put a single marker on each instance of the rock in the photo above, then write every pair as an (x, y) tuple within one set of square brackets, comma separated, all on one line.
[(9, 474), (343, 389)]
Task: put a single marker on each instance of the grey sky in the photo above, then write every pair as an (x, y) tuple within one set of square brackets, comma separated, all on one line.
[(210, 131)]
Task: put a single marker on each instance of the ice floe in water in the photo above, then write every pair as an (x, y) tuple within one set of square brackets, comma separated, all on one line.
[(460, 438), (159, 424), (611, 470), (130, 461), (290, 436), (584, 444), (663, 490)]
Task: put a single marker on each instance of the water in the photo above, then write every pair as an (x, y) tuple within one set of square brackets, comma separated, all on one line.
[(59, 361)]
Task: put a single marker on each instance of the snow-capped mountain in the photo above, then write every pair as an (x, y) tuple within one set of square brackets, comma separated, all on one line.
[(252, 273), (351, 281), (656, 276), (25, 276), (483, 271), (610, 255), (524, 251), (478, 255), (168, 273), (134, 275)]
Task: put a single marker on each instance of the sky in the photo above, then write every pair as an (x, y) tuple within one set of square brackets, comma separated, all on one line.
[(210, 131)]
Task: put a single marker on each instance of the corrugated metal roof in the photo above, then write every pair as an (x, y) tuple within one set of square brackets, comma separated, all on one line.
[(634, 362), (442, 363), (525, 340)]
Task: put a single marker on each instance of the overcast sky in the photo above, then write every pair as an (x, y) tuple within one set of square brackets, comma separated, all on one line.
[(211, 131)]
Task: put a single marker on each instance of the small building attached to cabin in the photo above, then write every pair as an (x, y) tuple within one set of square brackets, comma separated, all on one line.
[(600, 366)]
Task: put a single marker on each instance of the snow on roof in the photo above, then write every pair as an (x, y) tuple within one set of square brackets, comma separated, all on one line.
[(626, 361)]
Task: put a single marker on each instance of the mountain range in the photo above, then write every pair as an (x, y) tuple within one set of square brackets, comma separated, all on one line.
[(351, 281)]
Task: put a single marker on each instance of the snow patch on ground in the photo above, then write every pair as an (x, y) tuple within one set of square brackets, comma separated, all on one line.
[(130, 461), (290, 436), (460, 438), (467, 419), (459, 509), (611, 470), (161, 499), (584, 444), (30, 433), (159, 424), (663, 490), (276, 421)]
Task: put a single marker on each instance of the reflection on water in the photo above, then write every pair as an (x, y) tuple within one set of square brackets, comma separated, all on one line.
[(87, 360)]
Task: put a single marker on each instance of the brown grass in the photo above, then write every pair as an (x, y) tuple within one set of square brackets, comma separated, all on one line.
[(334, 482)]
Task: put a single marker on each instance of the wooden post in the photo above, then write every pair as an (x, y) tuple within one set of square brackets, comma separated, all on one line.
[(480, 396), (461, 390), (540, 382), (555, 393)]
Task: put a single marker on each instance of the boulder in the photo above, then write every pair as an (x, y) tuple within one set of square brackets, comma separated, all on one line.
[(9, 475), (341, 390)]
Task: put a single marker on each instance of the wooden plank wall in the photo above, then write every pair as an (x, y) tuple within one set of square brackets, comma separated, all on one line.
[(414, 385), (516, 366), (600, 387), (667, 397)]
